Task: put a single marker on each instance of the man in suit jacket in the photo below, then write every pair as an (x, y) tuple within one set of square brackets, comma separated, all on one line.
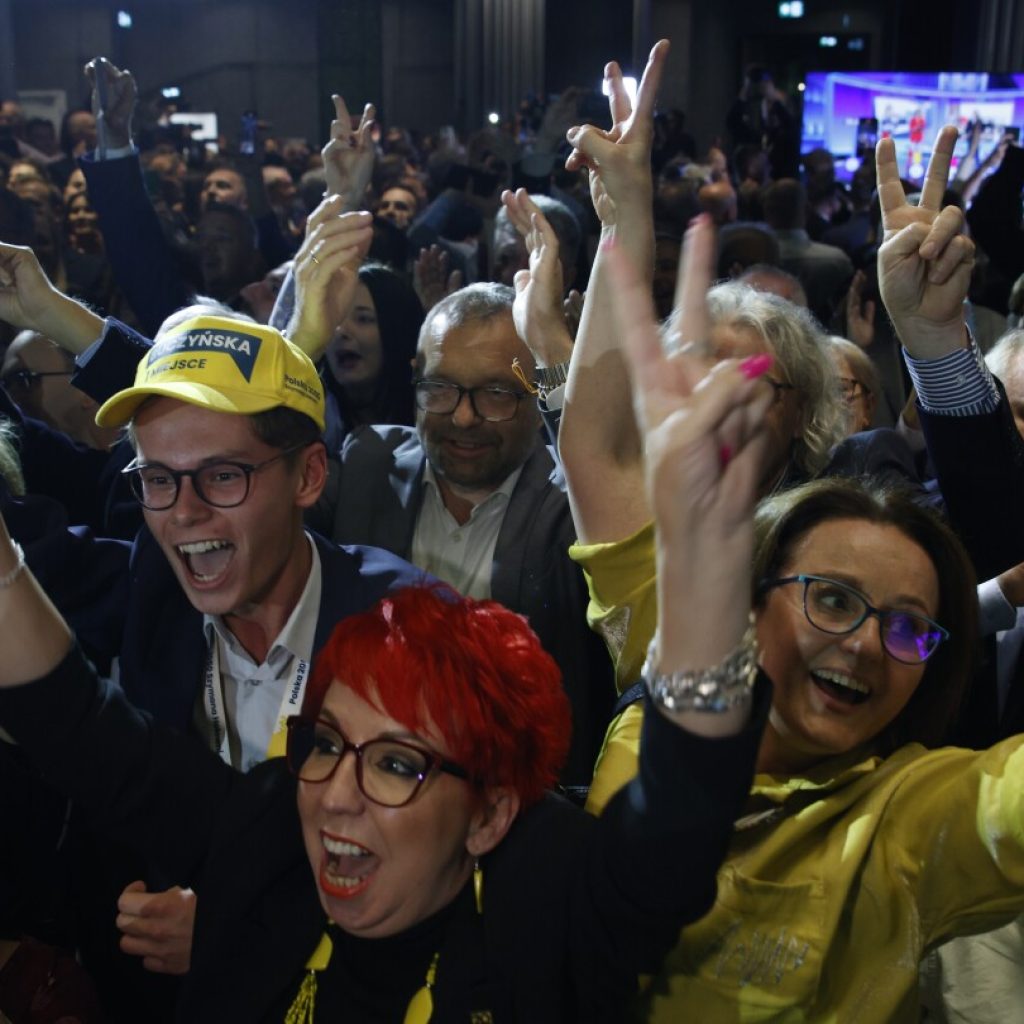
[(223, 599), (474, 496)]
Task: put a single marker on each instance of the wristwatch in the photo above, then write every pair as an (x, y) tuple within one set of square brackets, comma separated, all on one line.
[(549, 377)]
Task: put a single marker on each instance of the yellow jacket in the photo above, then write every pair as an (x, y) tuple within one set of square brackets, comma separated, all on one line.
[(836, 882)]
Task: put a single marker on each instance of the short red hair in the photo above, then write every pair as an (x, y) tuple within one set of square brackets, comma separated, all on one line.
[(472, 668)]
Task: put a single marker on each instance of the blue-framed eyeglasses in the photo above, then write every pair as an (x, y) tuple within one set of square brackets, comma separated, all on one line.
[(838, 608)]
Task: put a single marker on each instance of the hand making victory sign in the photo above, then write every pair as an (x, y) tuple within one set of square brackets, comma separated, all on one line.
[(703, 440), (925, 261)]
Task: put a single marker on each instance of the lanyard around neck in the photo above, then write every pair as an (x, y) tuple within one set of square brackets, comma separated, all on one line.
[(213, 699)]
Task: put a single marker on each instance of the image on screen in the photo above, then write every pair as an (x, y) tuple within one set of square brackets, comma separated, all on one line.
[(844, 112)]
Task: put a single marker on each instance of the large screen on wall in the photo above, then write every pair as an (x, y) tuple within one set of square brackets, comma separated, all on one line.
[(845, 112)]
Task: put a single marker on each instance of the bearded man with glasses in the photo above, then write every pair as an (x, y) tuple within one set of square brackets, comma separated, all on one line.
[(473, 494)]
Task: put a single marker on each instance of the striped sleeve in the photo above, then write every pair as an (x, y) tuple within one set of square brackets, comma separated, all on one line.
[(958, 384)]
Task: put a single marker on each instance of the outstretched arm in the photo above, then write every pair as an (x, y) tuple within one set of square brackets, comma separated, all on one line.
[(703, 437), (598, 440), (34, 639), (925, 266), (28, 300), (667, 832), (143, 264)]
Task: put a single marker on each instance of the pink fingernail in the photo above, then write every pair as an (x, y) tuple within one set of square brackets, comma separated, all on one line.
[(608, 244), (756, 366), (724, 455)]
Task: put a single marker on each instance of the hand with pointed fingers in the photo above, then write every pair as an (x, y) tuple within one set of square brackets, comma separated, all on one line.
[(326, 273), (860, 315), (158, 927), (537, 310), (689, 325), (431, 279), (703, 438), (121, 96), (619, 160), (925, 261), (701, 422), (349, 155)]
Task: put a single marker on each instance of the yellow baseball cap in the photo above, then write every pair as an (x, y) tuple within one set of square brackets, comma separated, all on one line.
[(225, 365)]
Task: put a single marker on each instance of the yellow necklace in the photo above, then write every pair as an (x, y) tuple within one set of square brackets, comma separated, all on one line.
[(302, 1010)]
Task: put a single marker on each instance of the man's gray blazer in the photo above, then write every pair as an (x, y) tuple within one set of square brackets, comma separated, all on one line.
[(374, 498)]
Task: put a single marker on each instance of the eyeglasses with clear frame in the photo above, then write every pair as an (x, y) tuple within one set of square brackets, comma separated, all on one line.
[(838, 608), (491, 403), (223, 483), (388, 772)]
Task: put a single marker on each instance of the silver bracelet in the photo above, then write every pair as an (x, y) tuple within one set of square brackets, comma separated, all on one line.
[(9, 578), (717, 689)]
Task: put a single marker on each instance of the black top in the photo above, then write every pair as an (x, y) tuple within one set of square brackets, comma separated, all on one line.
[(575, 907)]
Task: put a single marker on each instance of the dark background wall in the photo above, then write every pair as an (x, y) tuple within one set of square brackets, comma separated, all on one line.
[(432, 62)]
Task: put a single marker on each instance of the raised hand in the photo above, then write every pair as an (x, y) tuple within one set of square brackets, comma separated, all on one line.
[(28, 300), (158, 927), (537, 310), (925, 261), (325, 271), (572, 307), (703, 440), (700, 422), (860, 315), (559, 117), (349, 155), (431, 279), (121, 94), (619, 160)]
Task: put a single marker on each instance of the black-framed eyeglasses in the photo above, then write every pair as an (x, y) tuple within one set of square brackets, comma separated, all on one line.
[(850, 388), (222, 484), (838, 608), (780, 387), (388, 772), (22, 380), (492, 403)]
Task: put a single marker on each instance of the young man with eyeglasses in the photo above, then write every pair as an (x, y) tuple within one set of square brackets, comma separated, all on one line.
[(224, 599)]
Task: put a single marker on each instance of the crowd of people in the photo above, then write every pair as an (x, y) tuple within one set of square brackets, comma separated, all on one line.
[(646, 526)]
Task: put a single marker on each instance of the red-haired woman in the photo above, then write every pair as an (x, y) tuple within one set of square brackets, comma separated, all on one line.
[(427, 876)]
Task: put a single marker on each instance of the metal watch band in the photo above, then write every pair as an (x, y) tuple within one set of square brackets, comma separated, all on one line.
[(549, 377)]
